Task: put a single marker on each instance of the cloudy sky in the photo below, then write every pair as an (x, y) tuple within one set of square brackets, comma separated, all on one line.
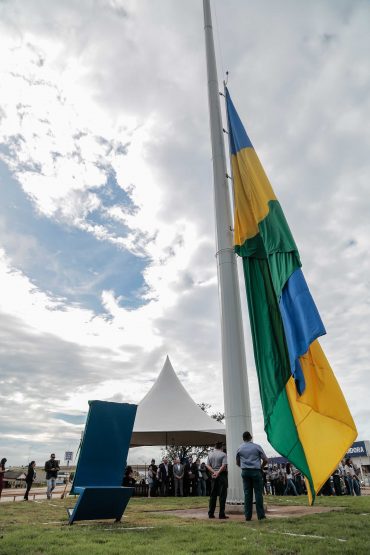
[(106, 205)]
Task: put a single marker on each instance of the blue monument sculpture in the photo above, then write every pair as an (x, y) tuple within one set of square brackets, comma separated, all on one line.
[(102, 461)]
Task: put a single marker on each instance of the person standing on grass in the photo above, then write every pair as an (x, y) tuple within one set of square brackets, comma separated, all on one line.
[(194, 469), (203, 479), (51, 469), (290, 485), (178, 477), (30, 476), (273, 479), (164, 476), (152, 479), (356, 485), (336, 482), (186, 481), (349, 472), (217, 466), (2, 472), (251, 458)]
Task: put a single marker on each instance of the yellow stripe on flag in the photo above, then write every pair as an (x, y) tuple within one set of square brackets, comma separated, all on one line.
[(325, 426), (252, 191)]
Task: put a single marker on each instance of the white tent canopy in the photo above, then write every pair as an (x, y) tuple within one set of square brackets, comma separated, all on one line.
[(168, 416)]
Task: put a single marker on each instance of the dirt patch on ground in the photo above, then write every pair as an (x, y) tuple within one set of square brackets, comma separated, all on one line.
[(277, 511), (273, 511)]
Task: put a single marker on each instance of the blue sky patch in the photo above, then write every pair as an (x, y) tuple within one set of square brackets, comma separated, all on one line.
[(65, 261), (70, 418)]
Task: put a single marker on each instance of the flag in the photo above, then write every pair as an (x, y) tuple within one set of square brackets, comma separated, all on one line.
[(306, 416)]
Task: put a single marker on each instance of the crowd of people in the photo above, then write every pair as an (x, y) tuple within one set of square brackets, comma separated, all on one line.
[(178, 478), (285, 479), (191, 477)]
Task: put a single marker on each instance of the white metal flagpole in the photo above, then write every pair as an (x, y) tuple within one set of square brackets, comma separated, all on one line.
[(234, 366)]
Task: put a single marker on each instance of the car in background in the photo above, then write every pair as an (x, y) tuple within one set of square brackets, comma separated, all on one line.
[(63, 478)]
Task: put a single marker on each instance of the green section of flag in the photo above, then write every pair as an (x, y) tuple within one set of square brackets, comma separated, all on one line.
[(282, 434), (271, 354), (274, 243), (262, 277)]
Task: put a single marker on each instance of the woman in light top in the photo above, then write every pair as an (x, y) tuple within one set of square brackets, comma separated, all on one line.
[(290, 485)]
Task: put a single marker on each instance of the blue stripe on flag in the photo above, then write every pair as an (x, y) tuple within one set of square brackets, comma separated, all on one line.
[(238, 135), (301, 320)]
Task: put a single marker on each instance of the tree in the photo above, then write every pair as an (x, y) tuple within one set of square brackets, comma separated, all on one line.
[(219, 416), (187, 451), (184, 452)]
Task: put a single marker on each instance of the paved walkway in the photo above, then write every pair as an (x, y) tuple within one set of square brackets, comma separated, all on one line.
[(17, 494)]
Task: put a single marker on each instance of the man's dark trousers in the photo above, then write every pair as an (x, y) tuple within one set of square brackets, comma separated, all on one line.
[(337, 486), (252, 480), (218, 489), (164, 487)]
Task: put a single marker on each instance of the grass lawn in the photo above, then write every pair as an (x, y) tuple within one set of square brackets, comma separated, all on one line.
[(41, 528)]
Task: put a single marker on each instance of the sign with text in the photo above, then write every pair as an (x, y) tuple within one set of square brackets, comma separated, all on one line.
[(68, 455), (358, 449)]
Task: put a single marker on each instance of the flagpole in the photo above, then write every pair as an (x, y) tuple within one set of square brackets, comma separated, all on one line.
[(234, 366)]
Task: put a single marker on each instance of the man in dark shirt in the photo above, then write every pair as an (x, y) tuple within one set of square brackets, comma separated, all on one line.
[(164, 476), (51, 469)]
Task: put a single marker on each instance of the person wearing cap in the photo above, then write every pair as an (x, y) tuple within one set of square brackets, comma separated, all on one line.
[(51, 469)]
